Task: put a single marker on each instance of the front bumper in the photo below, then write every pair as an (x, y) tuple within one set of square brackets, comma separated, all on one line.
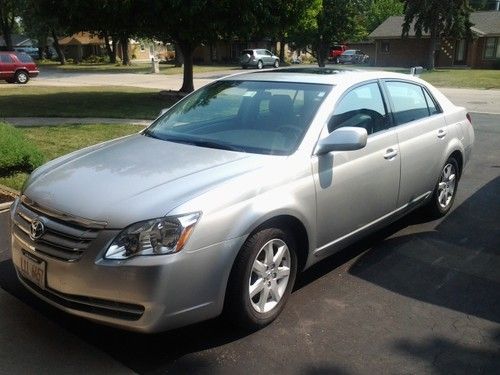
[(144, 294)]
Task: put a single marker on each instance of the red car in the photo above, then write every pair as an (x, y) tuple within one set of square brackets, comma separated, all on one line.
[(335, 52), (17, 67)]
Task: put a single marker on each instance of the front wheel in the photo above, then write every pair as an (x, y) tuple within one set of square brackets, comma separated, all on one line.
[(445, 190), (22, 77), (260, 65), (262, 278), (276, 63)]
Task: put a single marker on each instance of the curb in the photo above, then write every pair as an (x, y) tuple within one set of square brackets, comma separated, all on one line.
[(10, 192)]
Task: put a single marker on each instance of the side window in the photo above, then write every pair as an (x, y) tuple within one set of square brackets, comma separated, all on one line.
[(268, 53), (6, 59), (408, 100), (431, 104), (362, 107)]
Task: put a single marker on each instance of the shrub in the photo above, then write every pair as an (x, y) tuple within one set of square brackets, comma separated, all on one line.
[(17, 154)]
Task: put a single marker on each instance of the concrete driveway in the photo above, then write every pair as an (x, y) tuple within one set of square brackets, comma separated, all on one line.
[(417, 297)]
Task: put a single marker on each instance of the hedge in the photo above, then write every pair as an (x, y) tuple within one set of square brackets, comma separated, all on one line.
[(17, 154)]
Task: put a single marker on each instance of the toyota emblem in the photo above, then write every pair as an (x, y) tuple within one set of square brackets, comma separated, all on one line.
[(37, 230)]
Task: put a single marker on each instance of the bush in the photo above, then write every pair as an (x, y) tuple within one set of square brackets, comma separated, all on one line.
[(93, 59), (17, 154)]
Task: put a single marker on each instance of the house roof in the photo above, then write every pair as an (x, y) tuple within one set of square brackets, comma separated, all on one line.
[(82, 38), (18, 41), (485, 23)]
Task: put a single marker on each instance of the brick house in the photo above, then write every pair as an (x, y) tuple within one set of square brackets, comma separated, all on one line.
[(481, 52)]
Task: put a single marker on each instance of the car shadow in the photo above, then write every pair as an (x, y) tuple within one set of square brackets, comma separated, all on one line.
[(453, 266)]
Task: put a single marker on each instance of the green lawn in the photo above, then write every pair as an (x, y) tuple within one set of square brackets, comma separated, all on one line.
[(464, 78), (137, 67), (54, 141), (87, 101)]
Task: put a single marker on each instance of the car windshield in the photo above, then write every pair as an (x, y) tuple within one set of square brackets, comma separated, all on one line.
[(349, 52), (248, 116)]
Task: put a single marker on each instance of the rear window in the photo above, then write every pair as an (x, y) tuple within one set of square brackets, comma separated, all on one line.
[(247, 52), (25, 58)]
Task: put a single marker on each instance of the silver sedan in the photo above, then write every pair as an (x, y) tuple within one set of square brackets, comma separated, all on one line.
[(231, 192)]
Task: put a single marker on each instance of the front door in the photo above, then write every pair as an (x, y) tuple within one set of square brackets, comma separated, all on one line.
[(356, 188)]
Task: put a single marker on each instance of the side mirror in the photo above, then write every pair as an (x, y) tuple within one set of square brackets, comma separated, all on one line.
[(347, 138)]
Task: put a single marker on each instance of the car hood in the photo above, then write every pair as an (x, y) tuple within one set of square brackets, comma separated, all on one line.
[(134, 178)]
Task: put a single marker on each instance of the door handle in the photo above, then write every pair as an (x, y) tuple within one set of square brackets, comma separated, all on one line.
[(390, 153), (441, 133)]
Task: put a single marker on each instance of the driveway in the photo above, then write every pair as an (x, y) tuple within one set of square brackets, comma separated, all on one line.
[(417, 297)]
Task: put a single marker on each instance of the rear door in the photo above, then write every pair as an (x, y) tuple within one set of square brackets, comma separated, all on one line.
[(7, 66), (422, 134), (357, 188)]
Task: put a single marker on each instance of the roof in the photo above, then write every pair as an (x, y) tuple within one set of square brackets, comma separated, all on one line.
[(18, 41), (485, 23), (315, 75), (82, 38)]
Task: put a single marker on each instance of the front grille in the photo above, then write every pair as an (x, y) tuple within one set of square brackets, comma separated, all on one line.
[(65, 237), (120, 310)]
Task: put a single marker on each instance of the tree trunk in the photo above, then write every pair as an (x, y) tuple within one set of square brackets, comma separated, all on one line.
[(110, 50), (282, 50), (321, 55), (7, 36), (179, 59), (42, 44), (59, 51), (124, 48), (187, 52), (432, 50)]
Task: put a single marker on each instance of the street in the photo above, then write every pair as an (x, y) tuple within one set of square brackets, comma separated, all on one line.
[(416, 297)]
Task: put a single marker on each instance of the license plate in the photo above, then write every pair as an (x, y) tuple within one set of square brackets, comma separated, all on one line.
[(33, 270)]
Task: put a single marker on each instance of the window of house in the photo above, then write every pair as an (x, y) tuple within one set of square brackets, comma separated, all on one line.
[(362, 107), (408, 100), (489, 49), (385, 47)]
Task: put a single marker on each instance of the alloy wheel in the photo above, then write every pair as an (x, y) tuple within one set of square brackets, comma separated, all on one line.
[(269, 276), (446, 185)]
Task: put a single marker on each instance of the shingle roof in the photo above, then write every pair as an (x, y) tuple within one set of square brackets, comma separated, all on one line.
[(81, 38), (485, 23)]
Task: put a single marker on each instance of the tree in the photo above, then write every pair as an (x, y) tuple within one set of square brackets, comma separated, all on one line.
[(439, 19), (326, 22), (192, 23), (380, 10), (9, 10)]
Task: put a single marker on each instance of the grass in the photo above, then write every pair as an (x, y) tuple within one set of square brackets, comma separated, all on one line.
[(137, 67), (464, 78), (54, 141), (87, 101)]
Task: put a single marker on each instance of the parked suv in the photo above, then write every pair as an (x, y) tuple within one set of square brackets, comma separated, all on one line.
[(258, 58), (17, 67)]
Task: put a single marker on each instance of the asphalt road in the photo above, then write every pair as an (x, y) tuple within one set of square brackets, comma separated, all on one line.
[(417, 297)]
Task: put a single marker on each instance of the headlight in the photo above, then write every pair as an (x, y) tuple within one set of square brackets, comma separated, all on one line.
[(165, 235)]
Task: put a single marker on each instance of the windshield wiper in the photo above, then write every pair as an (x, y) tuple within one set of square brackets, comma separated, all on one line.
[(206, 143)]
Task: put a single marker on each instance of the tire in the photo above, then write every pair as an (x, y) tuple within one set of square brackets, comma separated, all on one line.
[(444, 191), (260, 65), (22, 77), (271, 279), (336, 60), (276, 64)]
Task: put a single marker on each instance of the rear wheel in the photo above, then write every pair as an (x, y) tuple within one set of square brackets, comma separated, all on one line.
[(260, 65), (22, 77), (262, 278), (445, 190), (276, 63)]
